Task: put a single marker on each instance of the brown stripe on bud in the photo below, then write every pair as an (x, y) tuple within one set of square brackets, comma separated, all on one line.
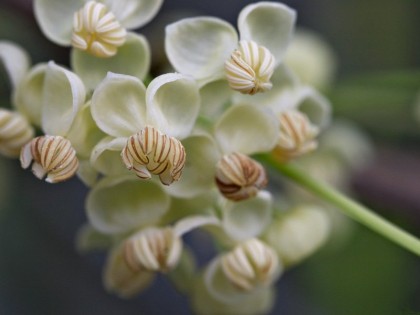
[(239, 177), (150, 151), (50, 156)]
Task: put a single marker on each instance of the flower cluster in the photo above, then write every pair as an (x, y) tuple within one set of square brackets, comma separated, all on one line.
[(178, 153)]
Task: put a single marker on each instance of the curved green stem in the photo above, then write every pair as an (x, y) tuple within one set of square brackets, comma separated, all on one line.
[(350, 207)]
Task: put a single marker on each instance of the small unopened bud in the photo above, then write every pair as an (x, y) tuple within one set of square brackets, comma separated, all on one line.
[(97, 31), (52, 156), (153, 249), (297, 136), (250, 68), (239, 177), (15, 132), (150, 151), (251, 264)]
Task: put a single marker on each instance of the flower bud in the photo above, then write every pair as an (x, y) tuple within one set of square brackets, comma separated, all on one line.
[(251, 264), (153, 249), (150, 151), (52, 156), (97, 31), (239, 177), (250, 68), (296, 136), (15, 132)]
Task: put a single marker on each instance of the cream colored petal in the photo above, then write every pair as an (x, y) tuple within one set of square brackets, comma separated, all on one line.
[(132, 58), (106, 156), (15, 60), (192, 222), (86, 173), (247, 129), (269, 24), (120, 204), (199, 46), (118, 105), (64, 95), (214, 98)]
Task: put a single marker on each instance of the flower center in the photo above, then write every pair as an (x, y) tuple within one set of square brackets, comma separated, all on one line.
[(97, 31), (150, 151), (239, 177), (53, 156), (250, 68)]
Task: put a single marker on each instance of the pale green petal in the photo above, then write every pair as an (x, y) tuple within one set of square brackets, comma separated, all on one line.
[(86, 173), (56, 18), (199, 171), (183, 276), (29, 94), (106, 156), (214, 98), (247, 129), (134, 13), (64, 95), (190, 223), (118, 105), (173, 102), (199, 46), (15, 60), (133, 58), (88, 239), (84, 134), (268, 24), (246, 219), (120, 204)]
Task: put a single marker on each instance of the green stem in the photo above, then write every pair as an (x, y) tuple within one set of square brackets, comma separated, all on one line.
[(350, 207)]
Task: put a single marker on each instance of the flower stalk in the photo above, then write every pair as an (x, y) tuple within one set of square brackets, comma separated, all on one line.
[(348, 206)]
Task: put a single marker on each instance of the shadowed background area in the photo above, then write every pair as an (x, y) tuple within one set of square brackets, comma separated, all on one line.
[(378, 80)]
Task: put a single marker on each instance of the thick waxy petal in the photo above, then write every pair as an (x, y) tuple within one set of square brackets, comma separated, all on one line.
[(134, 13), (106, 156), (56, 18), (118, 105), (173, 102), (132, 58), (199, 46), (248, 218), (121, 204), (247, 129), (214, 97), (268, 24), (64, 95), (15, 60)]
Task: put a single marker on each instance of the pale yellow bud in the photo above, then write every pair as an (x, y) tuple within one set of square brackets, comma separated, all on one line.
[(15, 132), (150, 151), (97, 31), (153, 249), (239, 177), (297, 136), (52, 156), (250, 68), (250, 265)]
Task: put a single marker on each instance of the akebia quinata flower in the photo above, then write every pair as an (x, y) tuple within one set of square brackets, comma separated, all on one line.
[(146, 125), (209, 48)]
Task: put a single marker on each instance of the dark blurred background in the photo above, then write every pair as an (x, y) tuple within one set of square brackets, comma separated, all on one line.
[(378, 80)]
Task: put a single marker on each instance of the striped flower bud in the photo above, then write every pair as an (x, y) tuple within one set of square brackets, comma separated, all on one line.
[(297, 136), (251, 264), (52, 156), (239, 177), (150, 151), (15, 132), (97, 31), (153, 249), (250, 68)]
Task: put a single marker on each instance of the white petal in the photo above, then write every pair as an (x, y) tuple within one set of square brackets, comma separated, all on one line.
[(118, 105), (247, 129), (214, 97), (268, 24), (56, 18), (173, 103), (121, 204), (199, 46), (132, 58), (64, 94), (246, 219), (15, 60), (134, 13), (106, 156)]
